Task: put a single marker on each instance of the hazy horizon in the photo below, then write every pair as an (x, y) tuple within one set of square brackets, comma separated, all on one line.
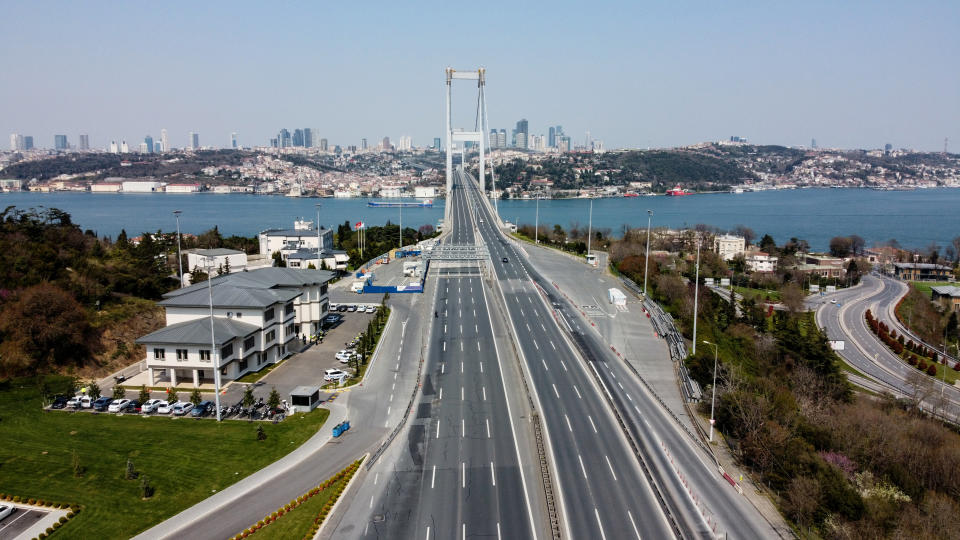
[(637, 76)]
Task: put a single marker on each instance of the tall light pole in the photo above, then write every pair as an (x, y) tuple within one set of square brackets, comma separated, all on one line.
[(590, 227), (536, 222), (318, 235), (401, 225), (176, 214), (646, 260), (696, 297), (214, 353), (713, 400)]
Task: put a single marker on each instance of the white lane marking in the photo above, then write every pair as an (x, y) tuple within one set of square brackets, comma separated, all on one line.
[(521, 310), (434, 477), (569, 427), (596, 512), (478, 346), (461, 328), (476, 329), (464, 537), (493, 477), (460, 313), (630, 398), (594, 426), (461, 346), (391, 397), (544, 327), (437, 436), (481, 367), (582, 468), (562, 363), (463, 482), (441, 393), (530, 299), (611, 372), (461, 393), (535, 345), (484, 393), (371, 501), (498, 531), (444, 346), (474, 313), (487, 420), (635, 531), (395, 375), (461, 367), (397, 366), (577, 390), (376, 478), (389, 408), (555, 391), (528, 327), (544, 364), (620, 385), (393, 387), (444, 328), (611, 468), (463, 428), (443, 368)]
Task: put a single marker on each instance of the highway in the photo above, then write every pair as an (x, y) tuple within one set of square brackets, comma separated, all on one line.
[(458, 473), (689, 486), (845, 320)]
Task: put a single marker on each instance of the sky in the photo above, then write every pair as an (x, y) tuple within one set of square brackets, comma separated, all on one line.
[(634, 74)]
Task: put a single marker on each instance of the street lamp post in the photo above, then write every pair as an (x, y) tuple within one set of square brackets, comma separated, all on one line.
[(590, 228), (318, 234), (213, 341), (176, 214), (696, 297), (646, 260), (713, 400), (536, 222)]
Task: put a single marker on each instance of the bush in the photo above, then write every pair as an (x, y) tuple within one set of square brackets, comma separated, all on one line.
[(63, 519), (49, 531), (932, 370), (57, 525), (912, 360), (922, 365)]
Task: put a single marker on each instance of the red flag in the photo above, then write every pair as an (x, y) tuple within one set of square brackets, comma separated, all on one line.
[(359, 225)]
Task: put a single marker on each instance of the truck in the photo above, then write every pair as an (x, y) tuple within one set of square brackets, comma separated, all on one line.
[(357, 287), (617, 297)]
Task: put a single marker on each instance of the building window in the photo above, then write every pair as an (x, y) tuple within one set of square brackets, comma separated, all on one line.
[(239, 314), (269, 314), (204, 355), (159, 354), (325, 307), (249, 343), (271, 335), (181, 355), (243, 364), (259, 359), (288, 309), (290, 331), (226, 351), (323, 289)]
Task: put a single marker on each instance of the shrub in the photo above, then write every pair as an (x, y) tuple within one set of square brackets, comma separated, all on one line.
[(57, 525), (956, 367), (63, 519), (922, 365), (49, 531), (41, 536), (70, 515), (912, 359), (932, 370)]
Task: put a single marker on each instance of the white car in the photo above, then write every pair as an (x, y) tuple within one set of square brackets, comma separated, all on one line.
[(333, 375), (5, 511), (181, 408), (117, 405), (165, 407), (345, 355), (80, 402), (151, 405), (371, 309)]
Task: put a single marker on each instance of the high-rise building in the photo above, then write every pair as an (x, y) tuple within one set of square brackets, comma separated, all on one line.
[(114, 149), (436, 143), (16, 142), (233, 140), (522, 127), (363, 143), (552, 137), (385, 145), (887, 148), (28, 142), (563, 143), (84, 143), (307, 138), (298, 137), (521, 139), (164, 143), (406, 143), (148, 141), (124, 149), (284, 139), (323, 145), (502, 139), (60, 142), (143, 148), (194, 140), (813, 143)]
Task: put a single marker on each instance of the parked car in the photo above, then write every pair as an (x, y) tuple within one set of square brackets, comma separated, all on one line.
[(342, 308), (133, 407), (345, 355), (165, 407), (80, 402), (151, 405), (371, 309), (59, 402), (505, 259), (333, 318), (117, 405), (333, 307), (5, 511), (202, 409), (352, 308), (333, 374), (102, 403), (181, 408)]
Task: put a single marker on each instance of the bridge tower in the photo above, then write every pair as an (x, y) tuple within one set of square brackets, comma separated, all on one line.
[(480, 124)]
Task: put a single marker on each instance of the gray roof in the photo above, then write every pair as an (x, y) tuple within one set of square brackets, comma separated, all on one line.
[(946, 290), (921, 266), (294, 232), (228, 295), (197, 332), (261, 278), (307, 253), (304, 390), (216, 252)]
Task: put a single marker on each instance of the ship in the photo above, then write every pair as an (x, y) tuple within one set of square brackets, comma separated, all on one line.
[(630, 194), (678, 191), (426, 203)]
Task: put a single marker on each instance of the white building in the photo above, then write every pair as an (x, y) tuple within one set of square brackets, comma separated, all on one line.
[(104, 188), (141, 186), (425, 192), (182, 188), (221, 259), (256, 316), (761, 262), (391, 192), (302, 235), (304, 257), (728, 246)]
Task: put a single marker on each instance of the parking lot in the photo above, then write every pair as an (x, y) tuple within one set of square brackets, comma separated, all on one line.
[(304, 368), (23, 519)]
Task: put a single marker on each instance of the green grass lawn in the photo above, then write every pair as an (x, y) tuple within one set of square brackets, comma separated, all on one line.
[(299, 521), (186, 460), (926, 286), (759, 295)]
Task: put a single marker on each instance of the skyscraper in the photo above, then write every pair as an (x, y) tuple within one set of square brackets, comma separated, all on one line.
[(164, 143), (60, 142), (363, 143), (307, 138), (813, 143), (284, 138), (195, 141), (298, 137), (148, 140), (521, 139), (16, 142), (28, 142), (84, 143), (323, 145), (233, 140), (552, 137), (114, 149), (385, 145), (522, 127), (502, 139), (436, 143), (124, 149)]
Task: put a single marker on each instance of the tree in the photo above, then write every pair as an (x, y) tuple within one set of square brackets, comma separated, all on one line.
[(118, 392), (44, 328), (198, 275), (172, 395), (93, 390), (840, 246), (746, 232), (857, 244), (802, 500), (278, 260), (956, 247), (768, 245), (195, 396), (248, 398), (273, 401), (144, 394), (261, 435), (130, 473)]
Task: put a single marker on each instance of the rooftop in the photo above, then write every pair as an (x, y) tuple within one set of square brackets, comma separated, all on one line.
[(197, 332), (216, 252)]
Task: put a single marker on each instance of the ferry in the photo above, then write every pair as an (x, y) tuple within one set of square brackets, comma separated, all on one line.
[(677, 191), (426, 203)]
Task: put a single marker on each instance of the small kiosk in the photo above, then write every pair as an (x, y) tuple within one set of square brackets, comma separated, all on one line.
[(304, 399)]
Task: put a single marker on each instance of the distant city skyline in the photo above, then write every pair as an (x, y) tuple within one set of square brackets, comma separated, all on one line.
[(636, 75)]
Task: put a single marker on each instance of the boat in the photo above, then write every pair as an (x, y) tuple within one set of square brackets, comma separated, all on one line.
[(630, 194), (426, 203), (677, 191)]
